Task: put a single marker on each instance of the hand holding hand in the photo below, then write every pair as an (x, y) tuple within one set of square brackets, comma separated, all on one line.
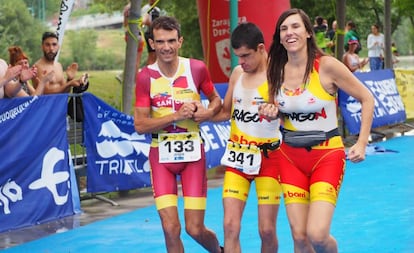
[(201, 113), (186, 111), (269, 111)]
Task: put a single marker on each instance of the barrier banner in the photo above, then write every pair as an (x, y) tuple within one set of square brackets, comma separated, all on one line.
[(405, 84), (37, 183), (389, 108), (117, 156)]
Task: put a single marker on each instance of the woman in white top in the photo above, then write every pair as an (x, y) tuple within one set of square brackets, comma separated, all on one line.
[(351, 59), (375, 44)]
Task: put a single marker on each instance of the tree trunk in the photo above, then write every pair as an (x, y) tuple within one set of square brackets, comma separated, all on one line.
[(387, 35), (130, 57), (340, 30)]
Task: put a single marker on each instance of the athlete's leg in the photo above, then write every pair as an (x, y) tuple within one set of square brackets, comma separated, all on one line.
[(267, 227), (268, 191), (295, 185), (297, 215), (318, 228), (194, 225), (235, 192), (326, 180), (172, 229), (164, 186), (194, 186)]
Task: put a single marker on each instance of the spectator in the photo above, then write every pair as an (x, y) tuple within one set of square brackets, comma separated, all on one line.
[(351, 32), (18, 57), (249, 87), (12, 77), (47, 63), (320, 30), (149, 13), (375, 44), (395, 54), (331, 35), (168, 106), (7, 74), (351, 59)]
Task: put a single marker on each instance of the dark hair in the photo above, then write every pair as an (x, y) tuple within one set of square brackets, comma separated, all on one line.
[(319, 20), (351, 24), (165, 23), (246, 34), (278, 54), (47, 35)]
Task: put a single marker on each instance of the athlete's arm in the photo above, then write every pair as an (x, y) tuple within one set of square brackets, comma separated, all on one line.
[(225, 112), (201, 113), (334, 73)]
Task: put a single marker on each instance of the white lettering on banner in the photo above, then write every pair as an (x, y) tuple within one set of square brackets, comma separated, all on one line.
[(223, 132), (121, 166), (14, 112), (50, 179), (208, 138), (11, 191), (119, 143), (221, 27), (386, 94), (210, 143)]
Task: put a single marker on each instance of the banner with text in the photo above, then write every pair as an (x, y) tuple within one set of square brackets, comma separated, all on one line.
[(405, 84), (389, 108), (117, 156), (37, 183)]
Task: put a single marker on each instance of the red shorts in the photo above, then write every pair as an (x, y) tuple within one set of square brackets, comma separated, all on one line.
[(193, 177), (308, 176)]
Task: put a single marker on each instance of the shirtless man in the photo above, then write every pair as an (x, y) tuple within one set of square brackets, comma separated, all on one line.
[(47, 63)]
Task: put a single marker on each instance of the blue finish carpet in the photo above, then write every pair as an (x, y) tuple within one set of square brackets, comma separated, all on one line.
[(375, 213)]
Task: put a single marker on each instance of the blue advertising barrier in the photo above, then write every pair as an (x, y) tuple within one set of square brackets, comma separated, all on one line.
[(117, 156), (37, 181), (389, 107)]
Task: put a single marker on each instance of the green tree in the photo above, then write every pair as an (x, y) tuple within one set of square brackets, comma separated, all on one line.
[(83, 48), (186, 12), (18, 27), (48, 8)]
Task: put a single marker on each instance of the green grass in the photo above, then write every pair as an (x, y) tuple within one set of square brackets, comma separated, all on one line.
[(104, 85)]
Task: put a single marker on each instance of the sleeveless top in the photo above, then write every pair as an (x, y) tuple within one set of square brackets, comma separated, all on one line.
[(247, 127), (310, 109), (354, 59), (166, 95)]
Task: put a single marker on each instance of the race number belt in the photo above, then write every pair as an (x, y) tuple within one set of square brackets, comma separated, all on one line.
[(245, 158), (179, 147)]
